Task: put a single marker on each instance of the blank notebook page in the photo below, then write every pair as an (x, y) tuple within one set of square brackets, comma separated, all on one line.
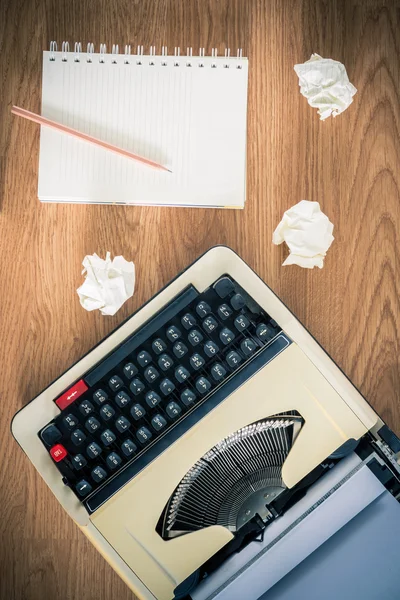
[(191, 119)]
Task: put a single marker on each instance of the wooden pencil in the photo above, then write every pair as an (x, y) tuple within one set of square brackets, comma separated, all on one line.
[(26, 114)]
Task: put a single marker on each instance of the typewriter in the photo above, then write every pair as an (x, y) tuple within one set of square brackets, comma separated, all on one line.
[(210, 449)]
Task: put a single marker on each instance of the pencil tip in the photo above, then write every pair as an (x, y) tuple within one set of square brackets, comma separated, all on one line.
[(169, 171)]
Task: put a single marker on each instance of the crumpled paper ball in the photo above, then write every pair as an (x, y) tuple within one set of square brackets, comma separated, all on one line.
[(108, 283), (308, 233), (325, 84)]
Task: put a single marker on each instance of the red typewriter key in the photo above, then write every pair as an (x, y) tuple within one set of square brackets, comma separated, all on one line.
[(72, 394), (58, 452)]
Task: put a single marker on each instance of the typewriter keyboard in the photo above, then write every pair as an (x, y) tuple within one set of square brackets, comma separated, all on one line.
[(152, 381)]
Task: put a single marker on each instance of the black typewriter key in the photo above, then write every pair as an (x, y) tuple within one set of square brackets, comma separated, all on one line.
[(241, 323), (83, 488), (188, 321), (122, 424), (181, 374), (115, 383), (226, 336), (151, 374), (152, 399), (137, 411), (158, 346), (122, 399), (52, 434), (106, 412), (128, 448), (218, 372), (237, 302), (70, 422), (203, 385), (98, 474), (195, 337), (137, 386), (203, 309), (173, 333), (179, 349), (210, 324), (233, 359), (210, 349), (92, 424), (144, 358), (223, 287), (143, 435), (165, 362), (79, 461), (224, 312), (130, 370), (167, 387), (100, 397), (108, 437), (264, 333), (188, 397), (77, 437), (86, 407), (113, 460), (173, 410), (93, 450), (158, 422), (197, 361), (248, 346)]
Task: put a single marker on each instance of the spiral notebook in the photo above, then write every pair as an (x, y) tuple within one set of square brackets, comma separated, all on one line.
[(185, 112)]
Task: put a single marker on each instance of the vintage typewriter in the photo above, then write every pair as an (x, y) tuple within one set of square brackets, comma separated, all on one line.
[(210, 448)]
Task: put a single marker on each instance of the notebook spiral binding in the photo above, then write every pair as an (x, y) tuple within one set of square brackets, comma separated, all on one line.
[(77, 55)]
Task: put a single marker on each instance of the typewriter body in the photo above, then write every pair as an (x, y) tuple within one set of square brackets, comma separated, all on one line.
[(197, 442)]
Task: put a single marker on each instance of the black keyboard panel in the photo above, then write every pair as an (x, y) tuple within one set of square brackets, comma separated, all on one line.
[(151, 382)]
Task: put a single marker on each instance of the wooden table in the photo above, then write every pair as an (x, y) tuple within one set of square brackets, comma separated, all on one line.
[(351, 165)]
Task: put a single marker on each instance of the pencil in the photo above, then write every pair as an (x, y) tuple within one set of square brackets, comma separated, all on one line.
[(26, 114)]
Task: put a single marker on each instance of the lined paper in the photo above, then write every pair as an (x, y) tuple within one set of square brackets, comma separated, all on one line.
[(191, 119)]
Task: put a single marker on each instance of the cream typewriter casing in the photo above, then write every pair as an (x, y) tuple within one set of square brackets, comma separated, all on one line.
[(302, 377)]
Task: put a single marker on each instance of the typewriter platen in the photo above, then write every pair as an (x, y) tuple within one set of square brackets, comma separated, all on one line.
[(199, 426)]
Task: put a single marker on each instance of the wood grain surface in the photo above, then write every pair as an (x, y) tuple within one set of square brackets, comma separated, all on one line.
[(351, 165)]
